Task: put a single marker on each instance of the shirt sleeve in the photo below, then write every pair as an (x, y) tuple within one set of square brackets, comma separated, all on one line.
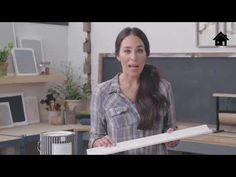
[(170, 119), (97, 117)]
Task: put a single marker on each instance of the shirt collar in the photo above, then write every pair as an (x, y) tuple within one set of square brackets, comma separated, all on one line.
[(115, 87)]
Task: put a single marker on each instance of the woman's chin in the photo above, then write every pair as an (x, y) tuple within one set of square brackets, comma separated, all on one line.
[(134, 73)]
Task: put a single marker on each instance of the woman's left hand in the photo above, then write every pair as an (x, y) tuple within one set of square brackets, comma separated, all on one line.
[(172, 143)]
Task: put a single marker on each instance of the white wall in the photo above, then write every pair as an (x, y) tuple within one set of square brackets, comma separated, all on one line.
[(76, 37), (54, 40)]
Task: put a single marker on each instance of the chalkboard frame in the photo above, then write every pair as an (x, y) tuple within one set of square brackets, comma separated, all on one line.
[(17, 106)]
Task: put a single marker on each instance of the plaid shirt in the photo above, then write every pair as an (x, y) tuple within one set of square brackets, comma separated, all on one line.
[(113, 114)]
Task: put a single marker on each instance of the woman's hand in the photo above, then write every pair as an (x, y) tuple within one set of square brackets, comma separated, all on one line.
[(106, 141), (171, 143)]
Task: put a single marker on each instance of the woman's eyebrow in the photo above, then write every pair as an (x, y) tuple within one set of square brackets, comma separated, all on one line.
[(140, 46), (129, 47)]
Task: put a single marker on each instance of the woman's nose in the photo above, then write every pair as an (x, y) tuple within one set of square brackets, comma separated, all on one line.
[(133, 56)]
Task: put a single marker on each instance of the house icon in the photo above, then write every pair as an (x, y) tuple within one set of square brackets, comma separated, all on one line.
[(221, 39)]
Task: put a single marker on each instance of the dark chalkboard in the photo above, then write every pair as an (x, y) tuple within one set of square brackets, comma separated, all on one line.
[(193, 80), (16, 106)]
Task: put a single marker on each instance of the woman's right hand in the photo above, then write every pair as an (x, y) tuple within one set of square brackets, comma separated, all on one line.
[(106, 141)]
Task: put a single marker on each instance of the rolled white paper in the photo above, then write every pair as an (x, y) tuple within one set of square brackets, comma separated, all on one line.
[(150, 140)]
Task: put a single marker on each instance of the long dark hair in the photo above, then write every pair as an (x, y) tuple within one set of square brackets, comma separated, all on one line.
[(149, 100)]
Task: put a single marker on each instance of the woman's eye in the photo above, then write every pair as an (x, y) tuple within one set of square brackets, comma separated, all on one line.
[(140, 50), (127, 51)]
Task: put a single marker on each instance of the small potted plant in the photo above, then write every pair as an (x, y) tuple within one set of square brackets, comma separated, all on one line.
[(4, 54), (75, 97), (70, 90)]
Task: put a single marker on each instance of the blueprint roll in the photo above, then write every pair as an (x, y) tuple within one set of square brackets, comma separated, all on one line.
[(56, 143), (227, 118)]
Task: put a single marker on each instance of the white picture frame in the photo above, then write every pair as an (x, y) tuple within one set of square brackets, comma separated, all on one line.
[(24, 61), (206, 32), (230, 31), (5, 116), (32, 109), (17, 107), (7, 34), (36, 45)]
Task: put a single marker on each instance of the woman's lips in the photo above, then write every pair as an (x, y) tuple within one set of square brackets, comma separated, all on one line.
[(133, 67)]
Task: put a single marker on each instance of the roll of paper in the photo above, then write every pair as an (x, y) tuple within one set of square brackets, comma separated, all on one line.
[(227, 118), (150, 140)]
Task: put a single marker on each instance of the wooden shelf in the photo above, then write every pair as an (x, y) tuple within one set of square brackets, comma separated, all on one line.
[(37, 128), (30, 79)]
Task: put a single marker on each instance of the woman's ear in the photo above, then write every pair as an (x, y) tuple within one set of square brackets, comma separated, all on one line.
[(118, 58)]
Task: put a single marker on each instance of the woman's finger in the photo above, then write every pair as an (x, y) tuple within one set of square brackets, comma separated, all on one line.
[(104, 141), (170, 130)]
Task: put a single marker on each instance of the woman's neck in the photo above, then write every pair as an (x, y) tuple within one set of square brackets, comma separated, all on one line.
[(128, 82)]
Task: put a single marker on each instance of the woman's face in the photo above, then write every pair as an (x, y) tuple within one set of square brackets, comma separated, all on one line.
[(132, 56)]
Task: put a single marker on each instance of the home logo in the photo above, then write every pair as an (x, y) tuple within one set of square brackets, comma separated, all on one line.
[(221, 39)]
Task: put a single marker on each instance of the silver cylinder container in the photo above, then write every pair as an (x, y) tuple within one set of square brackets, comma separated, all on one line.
[(57, 143)]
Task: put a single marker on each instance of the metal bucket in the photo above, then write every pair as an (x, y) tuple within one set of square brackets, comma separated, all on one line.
[(57, 143)]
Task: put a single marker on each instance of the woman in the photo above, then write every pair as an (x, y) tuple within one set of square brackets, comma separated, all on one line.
[(135, 103)]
